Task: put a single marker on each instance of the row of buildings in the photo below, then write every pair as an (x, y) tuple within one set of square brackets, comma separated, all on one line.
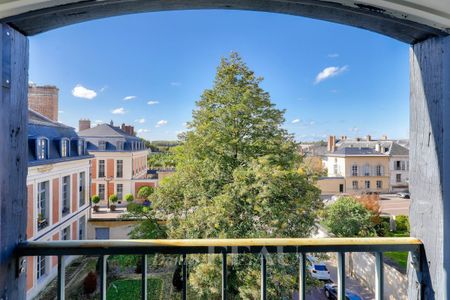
[(364, 165), (65, 168)]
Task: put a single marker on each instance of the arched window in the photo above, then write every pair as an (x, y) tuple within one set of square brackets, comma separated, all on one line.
[(81, 147), (42, 150), (65, 147)]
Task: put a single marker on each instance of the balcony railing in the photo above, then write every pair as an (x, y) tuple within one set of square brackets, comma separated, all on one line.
[(260, 247)]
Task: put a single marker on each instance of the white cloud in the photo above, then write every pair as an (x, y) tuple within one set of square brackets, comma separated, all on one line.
[(333, 55), (152, 102), (60, 111), (127, 98), (175, 83), (354, 129), (82, 92), (295, 121), (143, 130), (118, 111), (161, 123), (329, 72), (140, 121)]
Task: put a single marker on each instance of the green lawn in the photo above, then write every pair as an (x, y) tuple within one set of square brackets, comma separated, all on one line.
[(130, 289), (401, 258)]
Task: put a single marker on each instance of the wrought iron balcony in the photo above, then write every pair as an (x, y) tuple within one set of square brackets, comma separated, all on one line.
[(260, 247)]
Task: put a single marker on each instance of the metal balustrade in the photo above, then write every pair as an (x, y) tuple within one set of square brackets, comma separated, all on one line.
[(261, 247)]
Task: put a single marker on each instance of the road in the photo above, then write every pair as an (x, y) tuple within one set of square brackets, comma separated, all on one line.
[(350, 283), (393, 205)]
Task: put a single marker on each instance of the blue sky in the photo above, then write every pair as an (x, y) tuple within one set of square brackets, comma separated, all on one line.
[(149, 69)]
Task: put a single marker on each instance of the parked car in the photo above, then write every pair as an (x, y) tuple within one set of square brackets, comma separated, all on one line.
[(403, 195), (330, 290), (316, 269)]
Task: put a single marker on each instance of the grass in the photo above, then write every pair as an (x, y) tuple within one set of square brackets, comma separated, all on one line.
[(130, 289), (401, 258)]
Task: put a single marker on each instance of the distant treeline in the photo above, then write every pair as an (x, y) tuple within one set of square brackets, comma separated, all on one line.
[(160, 146)]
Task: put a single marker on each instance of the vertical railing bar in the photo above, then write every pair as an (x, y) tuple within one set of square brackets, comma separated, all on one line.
[(144, 277), (61, 278), (379, 276), (263, 277), (224, 275), (184, 277), (341, 275), (302, 277), (102, 277)]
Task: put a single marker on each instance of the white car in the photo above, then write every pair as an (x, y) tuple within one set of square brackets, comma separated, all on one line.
[(317, 270)]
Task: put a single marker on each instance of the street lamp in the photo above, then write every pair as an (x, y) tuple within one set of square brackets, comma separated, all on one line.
[(107, 179)]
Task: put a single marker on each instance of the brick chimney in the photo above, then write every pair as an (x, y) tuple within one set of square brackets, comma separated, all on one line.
[(128, 129), (368, 138), (331, 147), (44, 100), (84, 124)]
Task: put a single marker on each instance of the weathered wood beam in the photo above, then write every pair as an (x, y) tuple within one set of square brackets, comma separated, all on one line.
[(362, 16), (13, 159), (430, 167)]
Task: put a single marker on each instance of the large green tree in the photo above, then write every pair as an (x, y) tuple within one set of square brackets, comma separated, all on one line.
[(237, 177)]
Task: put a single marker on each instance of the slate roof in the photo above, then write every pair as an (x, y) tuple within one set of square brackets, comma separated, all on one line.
[(112, 136), (353, 147), (106, 131), (41, 126), (356, 151)]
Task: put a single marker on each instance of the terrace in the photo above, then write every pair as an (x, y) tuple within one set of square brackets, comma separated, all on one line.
[(423, 24)]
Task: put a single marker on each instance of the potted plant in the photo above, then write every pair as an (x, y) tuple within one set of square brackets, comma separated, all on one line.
[(42, 222), (113, 199), (96, 200), (129, 198)]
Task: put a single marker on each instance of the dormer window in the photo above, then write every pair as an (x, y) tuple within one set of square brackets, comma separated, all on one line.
[(42, 148), (102, 145), (65, 147), (81, 147), (119, 146)]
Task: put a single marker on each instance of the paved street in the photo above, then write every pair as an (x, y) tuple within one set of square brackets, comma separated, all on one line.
[(393, 205), (350, 283)]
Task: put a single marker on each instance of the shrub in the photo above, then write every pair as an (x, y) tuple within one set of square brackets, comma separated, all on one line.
[(145, 192), (113, 198), (90, 283), (402, 223), (129, 198), (95, 199), (347, 218)]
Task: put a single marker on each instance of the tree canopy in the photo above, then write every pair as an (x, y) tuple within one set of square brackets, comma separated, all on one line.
[(237, 177), (349, 218)]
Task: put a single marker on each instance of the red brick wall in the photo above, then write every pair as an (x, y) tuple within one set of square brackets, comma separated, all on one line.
[(138, 185), (94, 189), (94, 170), (30, 268), (30, 211), (55, 201), (110, 190), (75, 230), (74, 192), (55, 237), (110, 168), (44, 100)]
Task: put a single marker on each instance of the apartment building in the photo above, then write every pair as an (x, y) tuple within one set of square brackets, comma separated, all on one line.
[(364, 165), (58, 192), (120, 163)]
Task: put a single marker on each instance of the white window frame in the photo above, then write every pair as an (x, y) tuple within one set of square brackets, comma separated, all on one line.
[(38, 148), (65, 147), (355, 170), (69, 194), (41, 267)]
